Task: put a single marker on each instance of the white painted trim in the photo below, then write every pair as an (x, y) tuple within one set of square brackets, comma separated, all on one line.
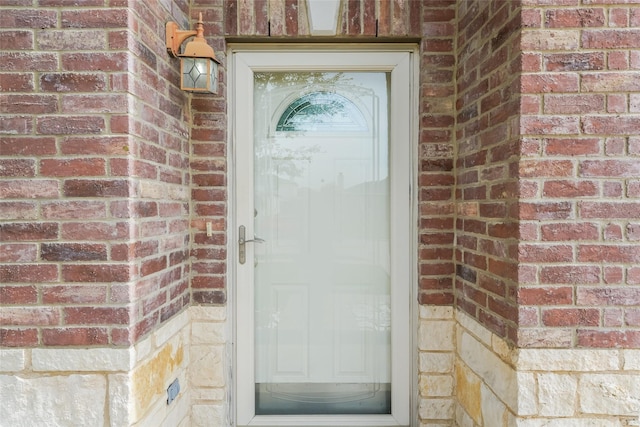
[(414, 270), (323, 17), (244, 349), (231, 237), (401, 61)]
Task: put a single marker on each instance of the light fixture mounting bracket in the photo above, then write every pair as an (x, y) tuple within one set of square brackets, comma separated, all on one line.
[(175, 37)]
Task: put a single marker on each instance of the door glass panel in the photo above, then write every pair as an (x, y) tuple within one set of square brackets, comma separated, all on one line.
[(322, 274)]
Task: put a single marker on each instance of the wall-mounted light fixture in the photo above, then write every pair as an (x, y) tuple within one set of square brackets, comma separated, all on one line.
[(198, 63)]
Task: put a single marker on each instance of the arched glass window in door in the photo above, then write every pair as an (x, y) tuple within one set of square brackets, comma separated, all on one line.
[(320, 112)]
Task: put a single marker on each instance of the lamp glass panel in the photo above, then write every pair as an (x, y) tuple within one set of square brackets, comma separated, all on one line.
[(187, 78), (213, 77), (199, 74)]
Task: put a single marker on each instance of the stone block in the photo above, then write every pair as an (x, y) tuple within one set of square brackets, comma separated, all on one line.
[(436, 409), (431, 362), (151, 378), (474, 328), (177, 412), (436, 312), (82, 360), (202, 394), (468, 394), (436, 385), (436, 335), (120, 404), (53, 401), (494, 412), (162, 415), (12, 360), (564, 422), (631, 360), (186, 422), (545, 338), (462, 418), (610, 394), (527, 400), (557, 394), (204, 313), (208, 333), (502, 349), (208, 415), (573, 360), (207, 366), (499, 376), (153, 417), (171, 328), (143, 349)]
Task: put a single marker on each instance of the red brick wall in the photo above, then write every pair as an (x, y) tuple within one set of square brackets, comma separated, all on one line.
[(547, 170), (95, 174), (487, 106), (288, 18), (580, 172), (209, 171), (529, 164), (436, 152)]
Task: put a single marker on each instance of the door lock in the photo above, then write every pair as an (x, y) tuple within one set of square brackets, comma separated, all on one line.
[(242, 251)]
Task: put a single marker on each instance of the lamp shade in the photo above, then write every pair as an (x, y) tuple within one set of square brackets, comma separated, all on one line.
[(198, 74), (198, 63)]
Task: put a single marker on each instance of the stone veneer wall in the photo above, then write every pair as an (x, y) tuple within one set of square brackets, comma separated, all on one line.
[(436, 366), (125, 386), (501, 386), (100, 386), (209, 371)]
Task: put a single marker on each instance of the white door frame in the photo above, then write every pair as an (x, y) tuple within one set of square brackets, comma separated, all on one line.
[(401, 61)]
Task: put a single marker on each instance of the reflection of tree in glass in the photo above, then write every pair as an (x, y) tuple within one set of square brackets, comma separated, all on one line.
[(271, 80), (313, 107), (322, 111), (318, 107)]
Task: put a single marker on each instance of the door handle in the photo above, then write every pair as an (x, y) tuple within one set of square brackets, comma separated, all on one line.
[(242, 250)]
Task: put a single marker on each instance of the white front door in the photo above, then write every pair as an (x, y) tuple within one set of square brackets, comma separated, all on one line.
[(322, 250)]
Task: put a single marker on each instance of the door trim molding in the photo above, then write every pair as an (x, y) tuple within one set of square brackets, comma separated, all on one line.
[(308, 58)]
